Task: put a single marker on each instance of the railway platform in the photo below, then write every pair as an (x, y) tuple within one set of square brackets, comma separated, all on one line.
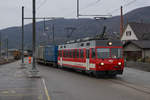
[(16, 85)]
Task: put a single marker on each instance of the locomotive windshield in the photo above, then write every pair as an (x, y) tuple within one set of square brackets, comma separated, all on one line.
[(103, 53), (109, 53), (116, 53)]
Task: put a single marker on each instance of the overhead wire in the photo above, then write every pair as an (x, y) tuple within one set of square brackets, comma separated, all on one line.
[(42, 3), (87, 6), (129, 3), (125, 5), (91, 4)]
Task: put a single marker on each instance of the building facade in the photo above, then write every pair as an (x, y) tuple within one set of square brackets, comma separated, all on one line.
[(136, 39)]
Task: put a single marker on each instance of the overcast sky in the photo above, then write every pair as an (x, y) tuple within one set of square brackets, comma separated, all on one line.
[(10, 10)]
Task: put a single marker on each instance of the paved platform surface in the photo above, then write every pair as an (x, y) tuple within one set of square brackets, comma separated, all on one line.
[(15, 85), (64, 84)]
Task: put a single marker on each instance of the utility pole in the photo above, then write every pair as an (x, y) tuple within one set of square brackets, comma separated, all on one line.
[(34, 35), (70, 31), (77, 8), (53, 31), (6, 47), (52, 18), (45, 29), (44, 25), (121, 22), (0, 44), (22, 57), (34, 71)]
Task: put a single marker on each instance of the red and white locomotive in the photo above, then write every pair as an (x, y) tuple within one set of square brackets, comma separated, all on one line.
[(96, 57)]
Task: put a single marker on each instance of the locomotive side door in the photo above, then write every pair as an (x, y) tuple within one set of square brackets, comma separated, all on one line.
[(87, 59), (61, 52), (61, 61)]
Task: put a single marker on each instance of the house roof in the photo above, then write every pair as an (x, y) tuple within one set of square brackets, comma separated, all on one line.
[(141, 30), (144, 44)]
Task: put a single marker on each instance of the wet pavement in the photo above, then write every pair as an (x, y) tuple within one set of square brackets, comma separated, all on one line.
[(70, 85), (15, 85), (64, 84)]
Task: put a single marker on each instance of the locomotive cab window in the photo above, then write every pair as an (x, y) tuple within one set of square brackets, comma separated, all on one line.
[(116, 53), (103, 53)]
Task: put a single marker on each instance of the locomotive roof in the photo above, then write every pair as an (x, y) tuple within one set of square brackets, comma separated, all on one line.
[(90, 44)]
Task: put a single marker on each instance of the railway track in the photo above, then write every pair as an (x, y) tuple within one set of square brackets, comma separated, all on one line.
[(138, 88)]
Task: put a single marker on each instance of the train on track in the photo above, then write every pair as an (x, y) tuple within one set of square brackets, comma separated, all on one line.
[(95, 57)]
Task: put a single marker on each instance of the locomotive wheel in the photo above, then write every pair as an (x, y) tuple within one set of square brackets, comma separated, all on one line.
[(96, 75), (55, 65), (60, 67), (112, 75), (83, 71), (91, 74)]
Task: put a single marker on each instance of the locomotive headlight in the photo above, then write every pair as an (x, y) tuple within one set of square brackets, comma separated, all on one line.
[(119, 63), (110, 43), (102, 64)]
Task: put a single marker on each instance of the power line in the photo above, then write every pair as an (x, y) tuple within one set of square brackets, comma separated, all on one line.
[(91, 4), (87, 6), (125, 5), (42, 3), (129, 3)]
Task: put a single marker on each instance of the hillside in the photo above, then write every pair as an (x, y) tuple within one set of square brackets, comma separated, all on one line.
[(84, 28)]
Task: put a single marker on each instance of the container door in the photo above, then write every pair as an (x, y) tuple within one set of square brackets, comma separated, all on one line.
[(56, 54), (87, 59)]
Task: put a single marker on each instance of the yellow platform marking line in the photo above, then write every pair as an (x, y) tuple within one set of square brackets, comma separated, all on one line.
[(20, 89), (40, 97), (12, 93), (19, 95), (45, 89), (4, 92)]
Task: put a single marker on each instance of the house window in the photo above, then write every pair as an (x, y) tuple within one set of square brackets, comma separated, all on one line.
[(128, 33)]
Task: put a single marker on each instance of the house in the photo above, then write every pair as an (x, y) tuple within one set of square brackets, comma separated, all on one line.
[(136, 31), (134, 50)]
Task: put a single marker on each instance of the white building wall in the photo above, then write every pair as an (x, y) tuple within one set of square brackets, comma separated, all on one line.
[(147, 53), (131, 37)]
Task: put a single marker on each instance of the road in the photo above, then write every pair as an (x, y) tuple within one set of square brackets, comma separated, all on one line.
[(68, 85), (63, 84)]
